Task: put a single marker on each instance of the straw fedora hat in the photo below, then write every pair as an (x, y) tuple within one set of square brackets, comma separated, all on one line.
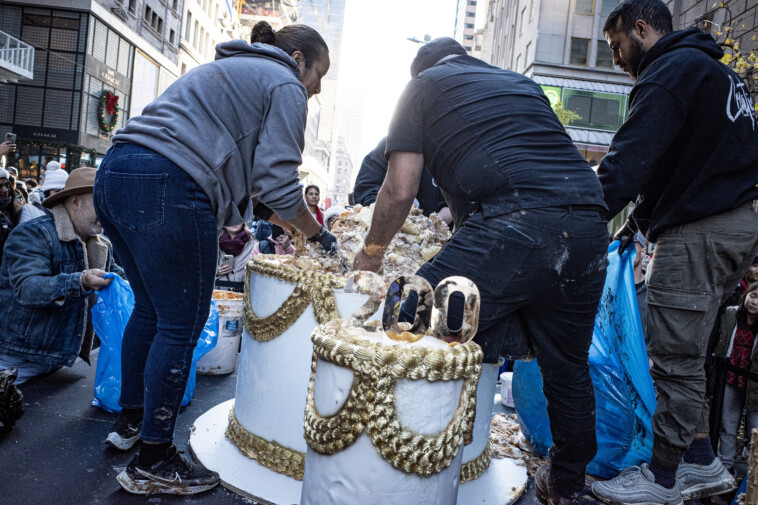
[(81, 180)]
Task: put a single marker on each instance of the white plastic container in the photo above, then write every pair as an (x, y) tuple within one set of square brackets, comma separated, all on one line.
[(222, 359), (506, 389)]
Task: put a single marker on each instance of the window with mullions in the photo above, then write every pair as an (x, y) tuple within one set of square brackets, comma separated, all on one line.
[(608, 6), (584, 6), (107, 46), (52, 98), (603, 111), (604, 58), (580, 48)]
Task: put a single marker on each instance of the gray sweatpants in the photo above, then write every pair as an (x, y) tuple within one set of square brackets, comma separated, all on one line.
[(694, 268)]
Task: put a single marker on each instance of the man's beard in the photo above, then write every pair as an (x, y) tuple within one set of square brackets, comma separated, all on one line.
[(637, 52), (5, 202)]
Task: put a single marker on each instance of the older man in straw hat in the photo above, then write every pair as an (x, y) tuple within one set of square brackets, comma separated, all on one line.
[(51, 267)]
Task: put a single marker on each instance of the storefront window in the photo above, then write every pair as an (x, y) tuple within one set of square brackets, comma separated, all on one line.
[(31, 160), (603, 111)]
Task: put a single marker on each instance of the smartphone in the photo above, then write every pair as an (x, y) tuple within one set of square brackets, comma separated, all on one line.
[(10, 137), (228, 259)]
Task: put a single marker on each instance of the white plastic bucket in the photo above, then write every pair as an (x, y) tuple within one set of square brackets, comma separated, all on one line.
[(222, 359), (506, 389)]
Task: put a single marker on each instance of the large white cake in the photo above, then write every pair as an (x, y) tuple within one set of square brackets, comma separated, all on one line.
[(265, 421), (385, 419), (282, 307)]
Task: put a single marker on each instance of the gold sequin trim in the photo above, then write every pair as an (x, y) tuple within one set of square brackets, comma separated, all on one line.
[(370, 406), (310, 287), (273, 456)]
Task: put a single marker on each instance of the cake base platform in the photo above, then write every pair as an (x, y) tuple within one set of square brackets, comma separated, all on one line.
[(502, 483)]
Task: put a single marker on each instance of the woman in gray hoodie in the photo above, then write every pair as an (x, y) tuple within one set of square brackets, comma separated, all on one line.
[(221, 143)]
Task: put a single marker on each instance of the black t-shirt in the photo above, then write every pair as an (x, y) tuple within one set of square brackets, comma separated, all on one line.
[(489, 136), (371, 177)]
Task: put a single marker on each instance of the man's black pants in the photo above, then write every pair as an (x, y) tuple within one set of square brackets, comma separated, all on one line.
[(540, 273)]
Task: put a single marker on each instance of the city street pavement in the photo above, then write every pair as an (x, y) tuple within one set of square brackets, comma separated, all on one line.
[(56, 454)]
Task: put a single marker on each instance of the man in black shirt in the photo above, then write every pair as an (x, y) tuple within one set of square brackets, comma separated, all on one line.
[(536, 245)]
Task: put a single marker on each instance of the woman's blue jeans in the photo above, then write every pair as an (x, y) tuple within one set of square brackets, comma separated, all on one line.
[(163, 231)]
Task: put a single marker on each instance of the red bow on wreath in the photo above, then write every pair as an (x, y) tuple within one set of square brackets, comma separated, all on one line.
[(111, 101)]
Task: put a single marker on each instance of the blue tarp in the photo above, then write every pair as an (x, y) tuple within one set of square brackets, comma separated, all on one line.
[(109, 317), (624, 394)]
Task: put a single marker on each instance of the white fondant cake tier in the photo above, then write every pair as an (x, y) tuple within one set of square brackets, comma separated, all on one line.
[(272, 380), (273, 375), (485, 393), (359, 473)]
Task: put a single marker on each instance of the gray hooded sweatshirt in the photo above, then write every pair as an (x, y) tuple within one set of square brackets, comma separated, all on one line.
[(236, 126)]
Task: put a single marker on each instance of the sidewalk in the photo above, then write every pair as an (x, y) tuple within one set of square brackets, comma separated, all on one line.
[(56, 453)]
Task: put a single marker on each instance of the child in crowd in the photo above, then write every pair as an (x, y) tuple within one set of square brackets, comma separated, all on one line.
[(737, 332), (280, 242), (750, 277)]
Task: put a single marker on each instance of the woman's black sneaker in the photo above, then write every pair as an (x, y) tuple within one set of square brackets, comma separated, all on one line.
[(172, 474), (124, 434)]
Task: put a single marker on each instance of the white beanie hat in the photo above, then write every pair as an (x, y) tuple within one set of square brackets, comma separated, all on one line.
[(55, 178), (4, 173), (53, 165), (333, 211)]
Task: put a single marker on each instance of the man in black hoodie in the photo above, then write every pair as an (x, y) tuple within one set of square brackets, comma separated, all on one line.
[(688, 153)]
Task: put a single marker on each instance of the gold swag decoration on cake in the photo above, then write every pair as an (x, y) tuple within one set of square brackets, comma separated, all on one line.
[(370, 405), (273, 456), (473, 469), (310, 287)]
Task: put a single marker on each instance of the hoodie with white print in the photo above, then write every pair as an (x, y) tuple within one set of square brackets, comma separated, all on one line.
[(689, 147)]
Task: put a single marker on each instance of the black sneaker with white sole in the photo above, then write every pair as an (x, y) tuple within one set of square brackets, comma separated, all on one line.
[(172, 474), (124, 434)]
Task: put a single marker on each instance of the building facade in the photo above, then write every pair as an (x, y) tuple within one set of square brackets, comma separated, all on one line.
[(205, 23), (327, 17), (560, 45), (342, 183), (465, 18), (96, 64)]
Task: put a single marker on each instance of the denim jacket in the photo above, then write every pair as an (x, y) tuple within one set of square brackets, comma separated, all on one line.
[(44, 307)]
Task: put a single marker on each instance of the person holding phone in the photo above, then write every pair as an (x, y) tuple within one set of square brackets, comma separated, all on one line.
[(235, 244), (223, 134), (9, 144)]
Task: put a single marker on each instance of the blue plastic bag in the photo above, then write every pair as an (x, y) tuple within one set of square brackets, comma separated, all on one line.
[(624, 394), (742, 490), (109, 317)]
